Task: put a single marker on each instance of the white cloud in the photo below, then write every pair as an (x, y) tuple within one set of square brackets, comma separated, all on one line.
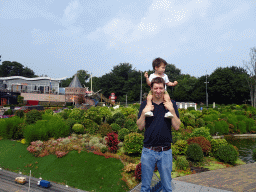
[(72, 13)]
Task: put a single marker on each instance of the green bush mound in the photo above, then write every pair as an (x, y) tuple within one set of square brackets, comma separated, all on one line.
[(211, 127), (11, 128), (180, 147), (221, 127), (202, 131), (78, 128), (217, 143), (181, 163), (200, 122), (104, 129), (227, 154), (133, 143), (115, 127), (130, 125), (90, 126), (241, 126), (195, 153), (122, 133), (33, 116), (202, 142)]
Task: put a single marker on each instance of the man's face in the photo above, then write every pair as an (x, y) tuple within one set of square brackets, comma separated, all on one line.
[(158, 90)]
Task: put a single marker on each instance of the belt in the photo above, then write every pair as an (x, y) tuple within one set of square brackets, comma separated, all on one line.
[(159, 148)]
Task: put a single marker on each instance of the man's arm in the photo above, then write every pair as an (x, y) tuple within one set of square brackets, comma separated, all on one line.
[(175, 120), (141, 121)]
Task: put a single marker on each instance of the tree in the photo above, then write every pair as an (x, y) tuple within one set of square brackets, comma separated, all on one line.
[(250, 67), (14, 68), (82, 75), (228, 85)]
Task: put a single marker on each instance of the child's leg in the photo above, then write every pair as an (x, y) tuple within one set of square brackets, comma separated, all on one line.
[(168, 114), (149, 103)]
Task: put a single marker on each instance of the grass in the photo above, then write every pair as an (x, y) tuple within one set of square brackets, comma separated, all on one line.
[(84, 170)]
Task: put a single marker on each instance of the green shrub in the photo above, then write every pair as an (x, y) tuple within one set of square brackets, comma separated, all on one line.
[(227, 154), (49, 111), (118, 115), (190, 108), (122, 133), (195, 153), (104, 129), (202, 142), (90, 126), (64, 114), (249, 124), (128, 111), (200, 122), (130, 125), (181, 163), (19, 113), (211, 127), (241, 127), (115, 127), (11, 128), (181, 147), (238, 112), (120, 122), (76, 114), (233, 121), (221, 127), (240, 117), (133, 143), (57, 127), (78, 128), (8, 112), (202, 131), (132, 117), (254, 154), (94, 115), (70, 122), (217, 143), (33, 116)]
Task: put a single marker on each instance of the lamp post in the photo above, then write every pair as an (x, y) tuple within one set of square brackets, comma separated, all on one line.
[(206, 90), (140, 86)]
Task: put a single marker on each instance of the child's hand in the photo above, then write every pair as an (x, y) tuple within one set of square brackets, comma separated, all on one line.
[(146, 74), (175, 83)]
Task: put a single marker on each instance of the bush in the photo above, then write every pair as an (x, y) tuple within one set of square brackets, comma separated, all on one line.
[(138, 172), (254, 154), (249, 124), (104, 129), (180, 147), (64, 114), (112, 142), (122, 133), (221, 127), (200, 122), (217, 143), (191, 108), (118, 115), (94, 115), (70, 122), (202, 142), (210, 126), (33, 116), (133, 143), (132, 117), (19, 113), (181, 163), (93, 141), (120, 122), (115, 127), (90, 126), (227, 154), (202, 131), (195, 153), (78, 128), (130, 125), (241, 127), (11, 128), (8, 112), (49, 111)]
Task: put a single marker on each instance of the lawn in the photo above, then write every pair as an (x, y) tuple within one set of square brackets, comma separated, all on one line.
[(83, 170)]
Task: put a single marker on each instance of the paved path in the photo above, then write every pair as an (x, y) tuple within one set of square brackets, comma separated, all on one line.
[(240, 178)]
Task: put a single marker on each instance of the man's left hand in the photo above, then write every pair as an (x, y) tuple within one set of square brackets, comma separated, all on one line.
[(168, 105)]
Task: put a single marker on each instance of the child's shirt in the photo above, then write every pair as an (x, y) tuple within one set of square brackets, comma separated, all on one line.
[(165, 77)]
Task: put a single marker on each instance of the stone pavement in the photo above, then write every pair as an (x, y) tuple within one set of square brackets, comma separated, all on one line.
[(240, 178)]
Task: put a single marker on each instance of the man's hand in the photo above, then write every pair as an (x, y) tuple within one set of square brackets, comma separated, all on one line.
[(148, 108), (168, 105), (146, 74)]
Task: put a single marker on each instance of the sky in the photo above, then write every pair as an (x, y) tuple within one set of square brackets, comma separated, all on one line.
[(59, 37)]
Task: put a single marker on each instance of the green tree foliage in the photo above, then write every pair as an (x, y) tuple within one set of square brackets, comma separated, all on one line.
[(228, 85), (14, 68)]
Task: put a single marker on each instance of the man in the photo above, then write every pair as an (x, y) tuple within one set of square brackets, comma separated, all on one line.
[(157, 136)]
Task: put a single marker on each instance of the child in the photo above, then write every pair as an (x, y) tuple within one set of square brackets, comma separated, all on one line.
[(159, 66)]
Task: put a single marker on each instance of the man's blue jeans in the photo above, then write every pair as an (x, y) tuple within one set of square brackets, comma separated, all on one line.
[(164, 164)]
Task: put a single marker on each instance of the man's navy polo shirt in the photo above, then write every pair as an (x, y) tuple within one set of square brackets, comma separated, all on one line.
[(157, 128)]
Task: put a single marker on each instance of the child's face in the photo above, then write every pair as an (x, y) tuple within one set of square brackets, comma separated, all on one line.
[(160, 69)]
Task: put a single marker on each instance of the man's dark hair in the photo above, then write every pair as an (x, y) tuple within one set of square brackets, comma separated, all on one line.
[(157, 80), (157, 62)]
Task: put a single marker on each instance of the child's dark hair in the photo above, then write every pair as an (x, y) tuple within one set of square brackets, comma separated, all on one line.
[(157, 62)]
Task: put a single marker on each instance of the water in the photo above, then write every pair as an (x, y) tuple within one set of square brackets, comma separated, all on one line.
[(245, 147)]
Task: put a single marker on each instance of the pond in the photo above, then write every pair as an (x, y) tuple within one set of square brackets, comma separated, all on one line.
[(245, 147)]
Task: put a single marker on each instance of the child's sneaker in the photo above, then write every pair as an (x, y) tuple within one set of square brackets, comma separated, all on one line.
[(149, 114), (168, 115)]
